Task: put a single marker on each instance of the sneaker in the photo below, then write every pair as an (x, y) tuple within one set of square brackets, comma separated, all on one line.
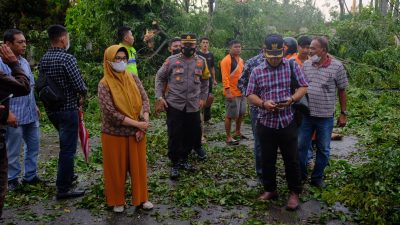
[(35, 180), (118, 208), (201, 153), (318, 183), (13, 184), (174, 174), (187, 166), (147, 206)]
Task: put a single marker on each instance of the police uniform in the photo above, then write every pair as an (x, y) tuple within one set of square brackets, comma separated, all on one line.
[(132, 67), (187, 80)]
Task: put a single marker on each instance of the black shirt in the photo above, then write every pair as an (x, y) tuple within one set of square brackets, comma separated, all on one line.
[(209, 58)]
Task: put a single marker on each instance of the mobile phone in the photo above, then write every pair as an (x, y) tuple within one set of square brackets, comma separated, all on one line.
[(6, 98), (281, 102)]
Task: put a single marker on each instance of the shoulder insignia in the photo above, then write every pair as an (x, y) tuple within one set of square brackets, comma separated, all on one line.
[(199, 63)]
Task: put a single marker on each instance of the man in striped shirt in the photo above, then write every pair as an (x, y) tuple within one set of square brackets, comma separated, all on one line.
[(269, 89), (325, 75), (23, 120)]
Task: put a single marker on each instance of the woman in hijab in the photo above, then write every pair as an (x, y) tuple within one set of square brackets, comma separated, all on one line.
[(125, 118)]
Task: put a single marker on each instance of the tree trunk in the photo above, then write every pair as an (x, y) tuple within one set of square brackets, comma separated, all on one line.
[(391, 8), (360, 5), (186, 4), (210, 6), (341, 5), (384, 7), (377, 6), (396, 8)]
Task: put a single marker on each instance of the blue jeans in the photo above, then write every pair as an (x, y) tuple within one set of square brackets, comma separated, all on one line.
[(323, 127), (257, 145), (29, 134), (66, 124)]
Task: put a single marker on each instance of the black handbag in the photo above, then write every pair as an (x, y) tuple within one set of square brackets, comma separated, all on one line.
[(302, 104), (49, 93)]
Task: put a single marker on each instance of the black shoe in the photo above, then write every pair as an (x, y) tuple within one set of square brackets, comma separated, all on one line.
[(174, 173), (70, 194), (318, 183), (13, 184), (34, 181), (201, 153), (187, 166)]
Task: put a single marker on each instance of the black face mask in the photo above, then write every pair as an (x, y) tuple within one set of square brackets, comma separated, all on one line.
[(187, 51), (176, 51)]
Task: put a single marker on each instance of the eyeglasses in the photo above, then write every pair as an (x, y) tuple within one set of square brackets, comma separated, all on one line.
[(119, 59)]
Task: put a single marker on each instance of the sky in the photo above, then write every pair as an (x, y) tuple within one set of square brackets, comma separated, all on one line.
[(325, 5)]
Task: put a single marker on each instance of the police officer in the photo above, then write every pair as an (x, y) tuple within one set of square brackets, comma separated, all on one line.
[(186, 75)]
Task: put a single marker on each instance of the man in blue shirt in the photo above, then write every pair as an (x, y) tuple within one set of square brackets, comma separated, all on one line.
[(23, 119)]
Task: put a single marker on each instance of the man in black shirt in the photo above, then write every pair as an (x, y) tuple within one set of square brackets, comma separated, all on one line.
[(62, 68), (203, 51)]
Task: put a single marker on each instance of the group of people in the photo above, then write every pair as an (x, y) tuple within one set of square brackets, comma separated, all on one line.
[(183, 89), (274, 81), (285, 71)]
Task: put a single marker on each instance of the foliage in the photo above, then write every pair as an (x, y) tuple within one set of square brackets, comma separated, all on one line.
[(371, 188), (351, 38), (252, 20), (32, 15)]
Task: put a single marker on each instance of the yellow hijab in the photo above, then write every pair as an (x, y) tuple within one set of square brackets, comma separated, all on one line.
[(124, 91)]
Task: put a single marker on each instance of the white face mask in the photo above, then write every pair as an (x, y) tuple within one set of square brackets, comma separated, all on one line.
[(315, 58), (119, 66)]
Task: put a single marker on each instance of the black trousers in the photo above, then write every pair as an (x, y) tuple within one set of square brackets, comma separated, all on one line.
[(286, 140), (3, 167), (207, 111), (184, 129)]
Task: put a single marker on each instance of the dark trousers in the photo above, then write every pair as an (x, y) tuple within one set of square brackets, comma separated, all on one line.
[(207, 111), (286, 140), (183, 131), (3, 167), (66, 124)]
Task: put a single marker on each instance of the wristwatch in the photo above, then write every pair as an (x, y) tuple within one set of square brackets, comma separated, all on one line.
[(344, 113)]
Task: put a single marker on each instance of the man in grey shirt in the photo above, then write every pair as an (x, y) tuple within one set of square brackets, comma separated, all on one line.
[(182, 89), (325, 75)]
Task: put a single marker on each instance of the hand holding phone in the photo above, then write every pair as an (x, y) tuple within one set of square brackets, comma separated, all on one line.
[(282, 104)]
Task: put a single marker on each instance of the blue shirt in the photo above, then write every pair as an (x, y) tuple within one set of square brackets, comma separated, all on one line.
[(23, 107)]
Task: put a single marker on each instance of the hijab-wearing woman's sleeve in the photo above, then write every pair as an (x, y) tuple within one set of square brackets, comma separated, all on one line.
[(107, 105)]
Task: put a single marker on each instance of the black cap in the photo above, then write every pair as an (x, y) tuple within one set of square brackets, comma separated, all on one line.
[(188, 38), (291, 44), (273, 46)]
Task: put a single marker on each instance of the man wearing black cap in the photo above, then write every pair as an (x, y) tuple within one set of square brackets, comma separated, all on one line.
[(186, 75), (269, 89)]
